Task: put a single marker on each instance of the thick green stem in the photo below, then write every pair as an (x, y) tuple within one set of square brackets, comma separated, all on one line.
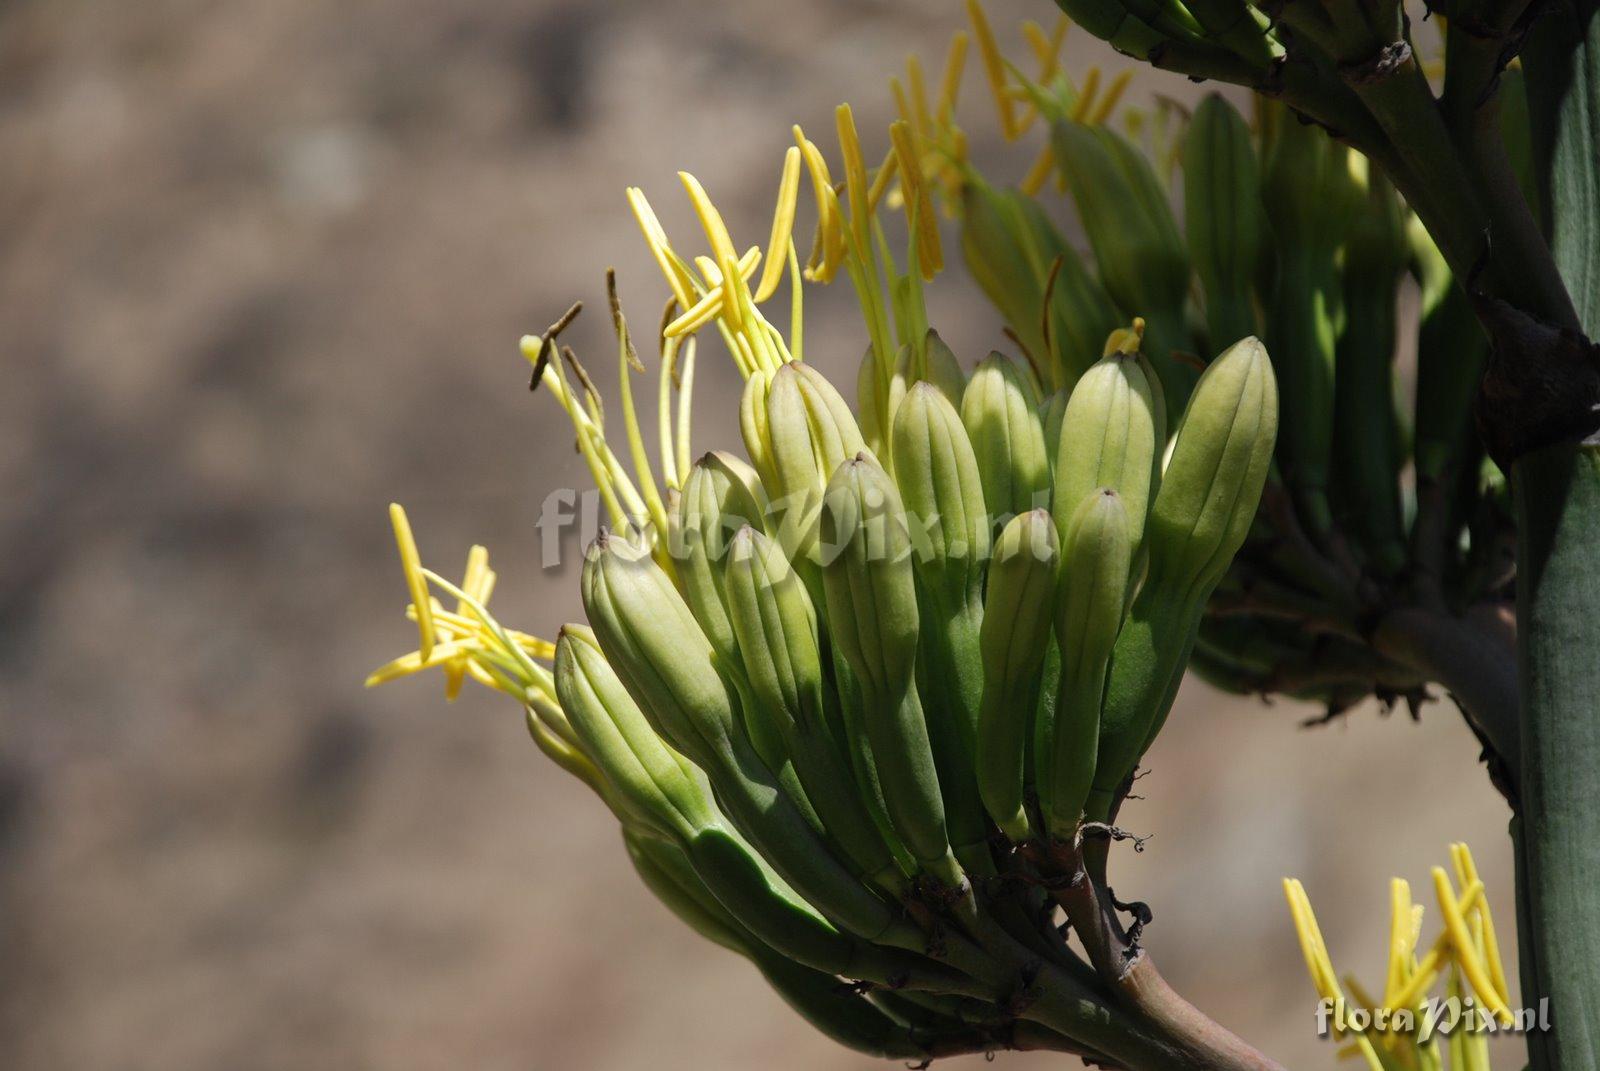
[(1558, 571)]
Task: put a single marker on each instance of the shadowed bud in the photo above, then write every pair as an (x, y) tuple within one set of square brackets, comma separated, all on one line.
[(1018, 610), (1217, 467), (1095, 566)]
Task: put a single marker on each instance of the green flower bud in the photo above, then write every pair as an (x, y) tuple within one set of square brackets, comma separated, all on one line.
[(1226, 224), (1142, 258), (655, 784), (1018, 611), (811, 432), (1095, 567), (942, 369), (937, 475), (1000, 411), (658, 649), (777, 631), (659, 653), (1217, 468), (1209, 492), (721, 495), (1111, 436), (872, 615)]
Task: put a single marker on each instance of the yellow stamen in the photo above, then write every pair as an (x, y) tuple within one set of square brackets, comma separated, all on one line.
[(415, 662), (994, 67), (882, 177), (1399, 934), (782, 225), (1466, 954), (919, 205), (830, 226), (923, 123), (411, 562), (1039, 173), (710, 218), (1113, 94), (950, 83), (855, 172), (1084, 106), (656, 238), (1467, 874)]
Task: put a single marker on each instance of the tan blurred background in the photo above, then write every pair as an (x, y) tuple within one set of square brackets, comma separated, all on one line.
[(263, 265)]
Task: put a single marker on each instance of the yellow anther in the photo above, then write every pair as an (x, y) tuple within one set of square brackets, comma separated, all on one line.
[(922, 121), (882, 177), (411, 562), (1113, 94), (855, 172), (782, 225), (710, 218), (656, 238), (830, 227), (1466, 953), (1039, 172), (950, 83), (1047, 50), (1084, 106), (1399, 939), (994, 67), (919, 205)]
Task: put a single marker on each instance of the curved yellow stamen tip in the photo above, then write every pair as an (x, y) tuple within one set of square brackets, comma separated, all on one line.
[(782, 225), (710, 218), (1466, 952), (416, 584), (994, 67), (655, 236), (1113, 94), (825, 259), (955, 63)]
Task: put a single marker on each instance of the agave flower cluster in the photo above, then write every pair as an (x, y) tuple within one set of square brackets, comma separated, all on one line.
[(866, 699)]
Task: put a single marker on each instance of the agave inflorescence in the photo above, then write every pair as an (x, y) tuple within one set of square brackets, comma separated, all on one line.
[(866, 700)]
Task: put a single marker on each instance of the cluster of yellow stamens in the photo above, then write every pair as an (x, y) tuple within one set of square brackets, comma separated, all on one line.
[(1466, 953)]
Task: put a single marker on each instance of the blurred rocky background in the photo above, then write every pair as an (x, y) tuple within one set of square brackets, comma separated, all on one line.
[(263, 265)]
